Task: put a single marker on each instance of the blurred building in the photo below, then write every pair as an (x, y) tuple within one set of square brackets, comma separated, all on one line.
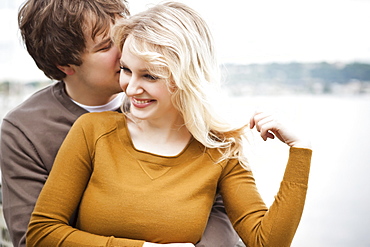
[(13, 55)]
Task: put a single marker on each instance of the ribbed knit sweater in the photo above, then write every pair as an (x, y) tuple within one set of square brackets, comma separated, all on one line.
[(126, 196)]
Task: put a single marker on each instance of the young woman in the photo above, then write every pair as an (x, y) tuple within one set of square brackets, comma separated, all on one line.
[(150, 176)]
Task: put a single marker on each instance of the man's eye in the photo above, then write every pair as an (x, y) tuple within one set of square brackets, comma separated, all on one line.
[(107, 47)]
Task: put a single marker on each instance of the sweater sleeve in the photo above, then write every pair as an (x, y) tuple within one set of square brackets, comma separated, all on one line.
[(256, 224), (61, 195), (23, 176), (219, 231)]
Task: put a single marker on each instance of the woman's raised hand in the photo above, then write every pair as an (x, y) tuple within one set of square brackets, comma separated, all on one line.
[(269, 127)]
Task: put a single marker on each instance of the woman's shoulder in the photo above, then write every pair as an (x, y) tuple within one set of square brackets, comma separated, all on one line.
[(217, 157), (101, 115), (102, 121)]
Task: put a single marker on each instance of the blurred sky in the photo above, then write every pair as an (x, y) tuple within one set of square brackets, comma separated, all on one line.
[(245, 32)]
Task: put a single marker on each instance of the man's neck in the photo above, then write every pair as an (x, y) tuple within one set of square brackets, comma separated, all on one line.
[(88, 98), (113, 105)]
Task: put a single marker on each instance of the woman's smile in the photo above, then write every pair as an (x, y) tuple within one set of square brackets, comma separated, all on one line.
[(141, 103)]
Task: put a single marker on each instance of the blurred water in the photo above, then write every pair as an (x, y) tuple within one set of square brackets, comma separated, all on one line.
[(338, 202), (337, 211)]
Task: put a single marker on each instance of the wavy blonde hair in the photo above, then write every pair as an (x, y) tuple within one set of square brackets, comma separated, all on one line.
[(178, 45)]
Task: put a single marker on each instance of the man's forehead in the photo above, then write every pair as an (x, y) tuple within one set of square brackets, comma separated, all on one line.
[(94, 25), (95, 37), (96, 31)]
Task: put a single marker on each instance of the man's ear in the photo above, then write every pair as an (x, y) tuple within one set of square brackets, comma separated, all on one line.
[(68, 70)]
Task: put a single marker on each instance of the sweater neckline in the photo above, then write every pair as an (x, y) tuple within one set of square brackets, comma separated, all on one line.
[(62, 97), (191, 150)]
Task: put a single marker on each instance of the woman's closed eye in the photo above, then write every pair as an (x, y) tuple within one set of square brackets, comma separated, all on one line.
[(151, 77), (125, 69)]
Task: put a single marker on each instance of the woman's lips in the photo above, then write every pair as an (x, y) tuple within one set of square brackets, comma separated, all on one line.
[(141, 103)]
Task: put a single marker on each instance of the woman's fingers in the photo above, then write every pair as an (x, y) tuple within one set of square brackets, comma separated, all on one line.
[(264, 123)]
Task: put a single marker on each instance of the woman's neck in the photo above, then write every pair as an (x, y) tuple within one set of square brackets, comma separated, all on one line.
[(164, 137)]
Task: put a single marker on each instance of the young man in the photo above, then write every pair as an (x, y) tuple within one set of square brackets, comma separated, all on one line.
[(69, 41)]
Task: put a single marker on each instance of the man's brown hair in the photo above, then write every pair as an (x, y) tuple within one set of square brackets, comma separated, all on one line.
[(54, 31)]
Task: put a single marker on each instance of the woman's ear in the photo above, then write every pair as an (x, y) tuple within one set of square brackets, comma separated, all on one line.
[(68, 70)]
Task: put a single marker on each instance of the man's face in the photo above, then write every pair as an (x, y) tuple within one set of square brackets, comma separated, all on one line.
[(98, 75)]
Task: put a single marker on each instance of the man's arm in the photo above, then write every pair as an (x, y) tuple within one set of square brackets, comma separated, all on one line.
[(23, 177), (219, 231)]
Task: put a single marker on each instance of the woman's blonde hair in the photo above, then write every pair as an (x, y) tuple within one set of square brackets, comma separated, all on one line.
[(178, 45)]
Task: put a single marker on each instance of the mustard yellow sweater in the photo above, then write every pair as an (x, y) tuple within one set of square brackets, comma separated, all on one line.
[(126, 196)]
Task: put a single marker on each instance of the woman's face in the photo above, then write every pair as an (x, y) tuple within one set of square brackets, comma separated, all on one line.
[(149, 95)]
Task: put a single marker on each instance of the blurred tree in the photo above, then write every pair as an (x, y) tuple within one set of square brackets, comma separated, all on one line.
[(356, 71)]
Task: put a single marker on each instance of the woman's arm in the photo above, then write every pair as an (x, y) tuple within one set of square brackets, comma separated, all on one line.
[(61, 195), (256, 224)]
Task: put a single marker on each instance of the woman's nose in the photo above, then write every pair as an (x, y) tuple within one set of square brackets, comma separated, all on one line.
[(134, 87)]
